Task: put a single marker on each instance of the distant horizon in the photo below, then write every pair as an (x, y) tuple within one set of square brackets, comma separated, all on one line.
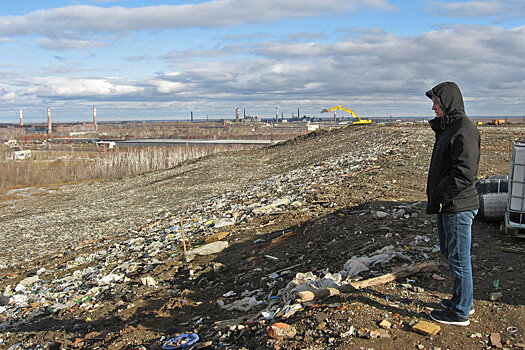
[(30, 120)]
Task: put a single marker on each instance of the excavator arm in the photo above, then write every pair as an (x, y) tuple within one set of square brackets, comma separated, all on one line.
[(341, 108), (357, 120)]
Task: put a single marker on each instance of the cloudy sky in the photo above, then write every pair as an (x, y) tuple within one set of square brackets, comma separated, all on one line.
[(143, 60)]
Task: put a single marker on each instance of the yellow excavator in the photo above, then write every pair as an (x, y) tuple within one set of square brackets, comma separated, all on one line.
[(357, 120)]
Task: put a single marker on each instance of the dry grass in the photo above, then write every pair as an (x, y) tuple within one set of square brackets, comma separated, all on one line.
[(74, 162), (54, 168)]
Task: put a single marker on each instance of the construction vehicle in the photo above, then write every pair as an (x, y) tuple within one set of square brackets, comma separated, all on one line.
[(357, 120), (497, 122)]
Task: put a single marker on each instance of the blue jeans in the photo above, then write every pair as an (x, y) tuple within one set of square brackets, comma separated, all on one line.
[(455, 238)]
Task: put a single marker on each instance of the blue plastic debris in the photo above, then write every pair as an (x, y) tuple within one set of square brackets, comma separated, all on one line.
[(181, 341)]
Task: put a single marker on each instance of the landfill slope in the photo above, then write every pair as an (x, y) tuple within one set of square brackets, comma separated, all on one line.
[(101, 264)]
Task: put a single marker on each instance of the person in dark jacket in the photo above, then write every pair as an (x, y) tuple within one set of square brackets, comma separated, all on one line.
[(452, 195)]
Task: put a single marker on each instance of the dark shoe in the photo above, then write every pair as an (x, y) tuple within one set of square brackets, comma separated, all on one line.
[(448, 317), (447, 304)]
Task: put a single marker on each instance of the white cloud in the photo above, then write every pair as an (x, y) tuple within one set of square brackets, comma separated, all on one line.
[(67, 88), (166, 87), (371, 68), (70, 21), (6, 94), (472, 8), (68, 44), (215, 53), (374, 72), (482, 8)]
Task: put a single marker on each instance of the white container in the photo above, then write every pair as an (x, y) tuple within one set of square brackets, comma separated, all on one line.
[(516, 209)]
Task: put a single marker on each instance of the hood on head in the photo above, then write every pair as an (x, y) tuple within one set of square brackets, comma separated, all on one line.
[(449, 98)]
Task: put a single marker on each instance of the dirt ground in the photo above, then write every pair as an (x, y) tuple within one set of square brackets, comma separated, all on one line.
[(347, 214)]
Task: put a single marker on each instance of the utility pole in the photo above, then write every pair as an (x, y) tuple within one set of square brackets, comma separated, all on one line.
[(95, 125), (49, 124)]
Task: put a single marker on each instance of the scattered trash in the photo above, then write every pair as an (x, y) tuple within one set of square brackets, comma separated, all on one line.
[(112, 277), (148, 281), (438, 277), (363, 333), (29, 280), (349, 333), (380, 333), (268, 314), (381, 214), (385, 324), (281, 331), (86, 278), (495, 296), (224, 222), (272, 206), (271, 257), (311, 282), (374, 334), (182, 341), (219, 236), (290, 310), (426, 328), (244, 304), (274, 300), (495, 340), (170, 237), (207, 249), (417, 289)]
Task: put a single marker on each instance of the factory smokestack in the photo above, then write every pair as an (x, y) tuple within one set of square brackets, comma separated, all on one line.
[(49, 124), (237, 114), (21, 118), (277, 114), (95, 118)]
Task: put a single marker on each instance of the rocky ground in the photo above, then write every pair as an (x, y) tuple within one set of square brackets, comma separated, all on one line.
[(101, 265)]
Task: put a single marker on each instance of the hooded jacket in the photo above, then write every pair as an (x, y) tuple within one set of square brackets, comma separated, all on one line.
[(455, 156)]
